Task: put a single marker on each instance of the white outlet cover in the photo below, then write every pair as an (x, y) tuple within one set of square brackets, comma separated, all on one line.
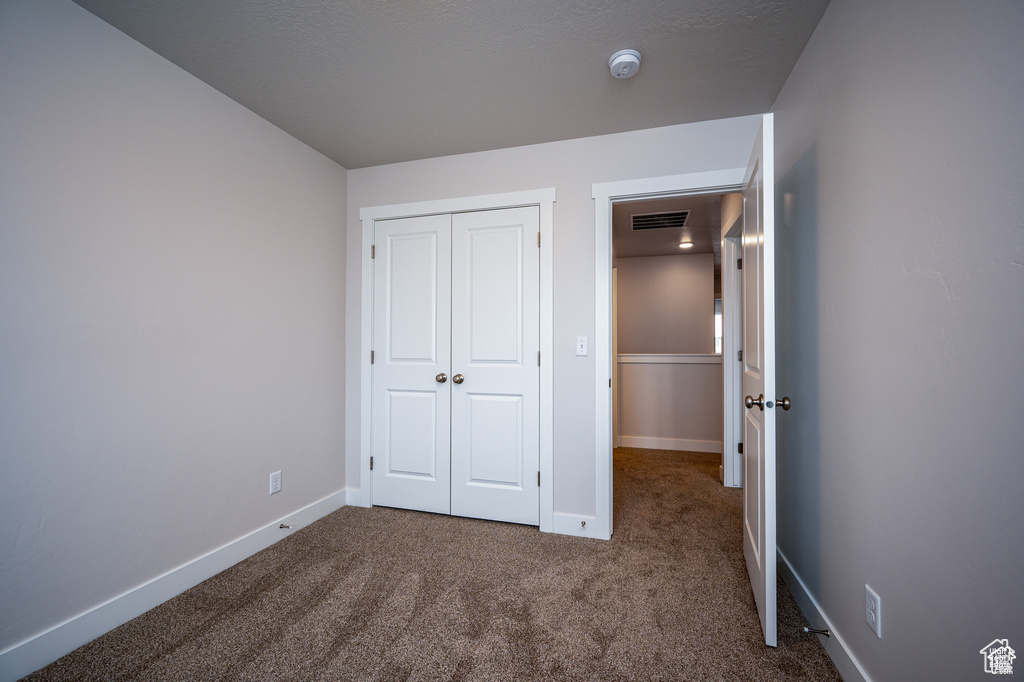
[(873, 610), (275, 482)]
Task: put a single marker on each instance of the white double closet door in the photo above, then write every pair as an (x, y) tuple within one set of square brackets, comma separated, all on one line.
[(456, 382)]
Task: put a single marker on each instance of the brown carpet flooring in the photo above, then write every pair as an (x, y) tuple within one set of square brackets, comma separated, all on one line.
[(385, 594)]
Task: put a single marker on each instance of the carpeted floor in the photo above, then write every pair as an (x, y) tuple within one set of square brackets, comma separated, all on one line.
[(385, 594)]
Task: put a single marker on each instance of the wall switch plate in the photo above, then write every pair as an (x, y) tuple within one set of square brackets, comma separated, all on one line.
[(275, 482), (581, 346), (873, 610)]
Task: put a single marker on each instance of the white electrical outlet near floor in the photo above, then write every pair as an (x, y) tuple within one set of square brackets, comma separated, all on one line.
[(275, 482), (873, 610)]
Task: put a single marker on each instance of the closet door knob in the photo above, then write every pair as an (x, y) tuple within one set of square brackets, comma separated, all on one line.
[(458, 379), (750, 402), (441, 378)]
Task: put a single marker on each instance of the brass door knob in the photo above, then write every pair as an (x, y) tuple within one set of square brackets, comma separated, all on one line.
[(750, 402), (458, 379), (441, 378)]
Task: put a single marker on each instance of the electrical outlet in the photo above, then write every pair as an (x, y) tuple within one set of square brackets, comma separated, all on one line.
[(275, 482), (873, 610)]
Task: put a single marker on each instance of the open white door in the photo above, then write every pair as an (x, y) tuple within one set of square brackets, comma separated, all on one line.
[(758, 247)]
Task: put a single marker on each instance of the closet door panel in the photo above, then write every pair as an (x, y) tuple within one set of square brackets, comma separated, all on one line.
[(411, 410), (495, 340)]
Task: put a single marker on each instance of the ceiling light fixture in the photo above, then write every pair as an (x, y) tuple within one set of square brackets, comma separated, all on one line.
[(685, 245), (624, 63)]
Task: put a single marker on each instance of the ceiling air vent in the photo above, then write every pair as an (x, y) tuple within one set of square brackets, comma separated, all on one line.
[(658, 221)]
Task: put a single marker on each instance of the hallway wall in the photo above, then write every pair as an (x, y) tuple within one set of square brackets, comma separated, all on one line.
[(667, 304)]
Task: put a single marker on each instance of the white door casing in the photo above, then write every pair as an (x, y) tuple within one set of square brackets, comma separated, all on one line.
[(412, 327), (495, 345), (758, 245), (605, 194)]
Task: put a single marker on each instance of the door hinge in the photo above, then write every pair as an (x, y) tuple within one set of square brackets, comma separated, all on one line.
[(371, 463), (538, 358), (739, 355), (538, 240), (739, 448), (739, 263), (371, 357), (609, 383), (538, 479), (373, 248)]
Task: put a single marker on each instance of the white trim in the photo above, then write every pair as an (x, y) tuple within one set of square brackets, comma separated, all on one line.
[(669, 359), (547, 364), (46, 647), (732, 390), (719, 181), (483, 202), (365, 348), (353, 498), (845, 662), (648, 443), (544, 199), (573, 524)]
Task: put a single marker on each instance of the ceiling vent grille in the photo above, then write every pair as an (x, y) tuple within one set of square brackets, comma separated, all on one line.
[(659, 221)]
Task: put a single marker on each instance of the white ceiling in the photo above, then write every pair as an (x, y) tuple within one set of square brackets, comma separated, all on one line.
[(368, 82)]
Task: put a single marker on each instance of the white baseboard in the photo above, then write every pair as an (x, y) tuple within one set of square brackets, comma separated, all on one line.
[(671, 444), (352, 497), (46, 647), (843, 659), (575, 524)]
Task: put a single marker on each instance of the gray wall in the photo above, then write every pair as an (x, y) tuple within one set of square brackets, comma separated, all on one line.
[(666, 304), (900, 167), (171, 291), (571, 167)]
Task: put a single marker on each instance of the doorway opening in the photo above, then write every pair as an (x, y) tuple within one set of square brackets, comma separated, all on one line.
[(667, 387), (756, 183), (606, 196)]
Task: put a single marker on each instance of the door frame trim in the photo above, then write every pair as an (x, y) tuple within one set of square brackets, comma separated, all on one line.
[(544, 199), (604, 195)]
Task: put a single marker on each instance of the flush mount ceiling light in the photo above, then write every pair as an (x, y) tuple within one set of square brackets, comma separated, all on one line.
[(686, 245), (624, 63)]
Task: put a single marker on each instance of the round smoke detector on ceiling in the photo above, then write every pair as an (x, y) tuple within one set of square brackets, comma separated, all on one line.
[(624, 63)]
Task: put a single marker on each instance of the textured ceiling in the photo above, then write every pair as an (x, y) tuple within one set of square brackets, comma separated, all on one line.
[(369, 82)]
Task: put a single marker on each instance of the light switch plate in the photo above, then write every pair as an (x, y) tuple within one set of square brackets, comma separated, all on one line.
[(581, 346)]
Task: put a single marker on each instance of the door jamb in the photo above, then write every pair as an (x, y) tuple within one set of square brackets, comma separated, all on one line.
[(709, 182), (732, 342), (542, 198)]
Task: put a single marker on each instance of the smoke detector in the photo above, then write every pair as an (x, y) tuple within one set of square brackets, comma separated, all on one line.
[(624, 63)]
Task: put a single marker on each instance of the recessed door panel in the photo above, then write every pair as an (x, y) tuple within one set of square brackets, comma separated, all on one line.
[(412, 297), (495, 455), (495, 294), (753, 476), (411, 448)]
